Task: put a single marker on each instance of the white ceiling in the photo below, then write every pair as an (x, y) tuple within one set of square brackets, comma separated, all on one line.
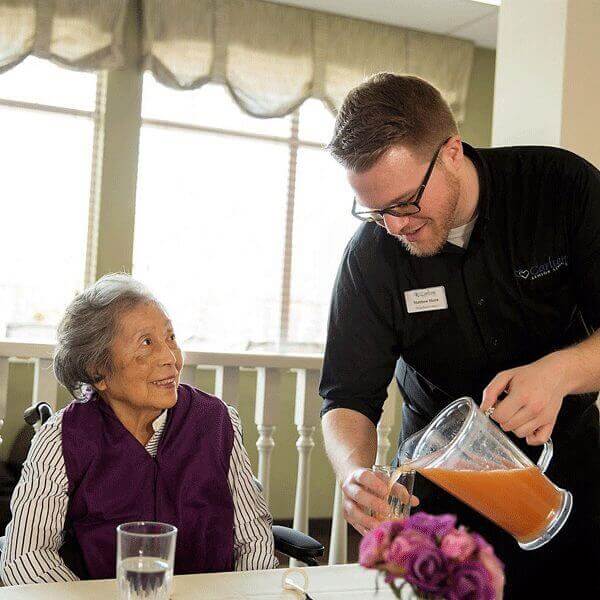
[(475, 20)]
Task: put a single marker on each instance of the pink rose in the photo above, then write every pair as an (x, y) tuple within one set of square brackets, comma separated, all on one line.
[(458, 544), (375, 543), (495, 568), (371, 549), (482, 545), (492, 563)]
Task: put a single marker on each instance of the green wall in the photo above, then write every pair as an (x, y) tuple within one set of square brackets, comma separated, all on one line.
[(116, 188), (477, 127)]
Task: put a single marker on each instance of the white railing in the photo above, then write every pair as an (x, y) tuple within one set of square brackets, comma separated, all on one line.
[(267, 399)]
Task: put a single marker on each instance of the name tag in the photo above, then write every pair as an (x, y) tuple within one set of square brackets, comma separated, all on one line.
[(433, 298)]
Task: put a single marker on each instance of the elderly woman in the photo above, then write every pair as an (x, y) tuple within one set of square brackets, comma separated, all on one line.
[(134, 445)]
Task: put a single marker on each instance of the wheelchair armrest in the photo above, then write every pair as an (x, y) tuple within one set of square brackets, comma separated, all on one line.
[(297, 545), (42, 411)]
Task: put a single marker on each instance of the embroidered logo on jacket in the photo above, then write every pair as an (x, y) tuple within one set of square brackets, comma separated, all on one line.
[(537, 271)]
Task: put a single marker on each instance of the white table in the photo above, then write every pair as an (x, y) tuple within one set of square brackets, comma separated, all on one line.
[(324, 583)]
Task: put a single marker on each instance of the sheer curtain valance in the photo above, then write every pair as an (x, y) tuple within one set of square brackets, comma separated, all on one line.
[(272, 57)]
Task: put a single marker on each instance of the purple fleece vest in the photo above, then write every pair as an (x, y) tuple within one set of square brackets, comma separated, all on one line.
[(113, 480)]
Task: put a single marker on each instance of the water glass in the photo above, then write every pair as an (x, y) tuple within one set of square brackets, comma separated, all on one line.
[(399, 508), (145, 560)]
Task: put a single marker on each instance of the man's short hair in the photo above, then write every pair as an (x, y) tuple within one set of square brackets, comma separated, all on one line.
[(388, 110)]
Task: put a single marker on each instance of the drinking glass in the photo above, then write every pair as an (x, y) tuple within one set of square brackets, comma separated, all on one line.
[(145, 560), (399, 507)]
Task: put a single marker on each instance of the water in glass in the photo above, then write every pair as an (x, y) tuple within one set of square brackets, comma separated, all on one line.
[(144, 578)]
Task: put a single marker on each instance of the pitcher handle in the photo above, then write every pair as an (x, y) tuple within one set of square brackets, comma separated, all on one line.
[(546, 455)]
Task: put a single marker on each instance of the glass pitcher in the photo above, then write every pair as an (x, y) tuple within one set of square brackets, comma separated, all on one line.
[(469, 456)]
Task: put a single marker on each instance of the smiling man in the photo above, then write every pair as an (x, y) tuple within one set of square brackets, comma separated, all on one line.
[(476, 272)]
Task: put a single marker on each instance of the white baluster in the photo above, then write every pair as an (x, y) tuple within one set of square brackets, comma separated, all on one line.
[(386, 422), (227, 381), (338, 544), (45, 386), (3, 390), (188, 375), (306, 416), (265, 417)]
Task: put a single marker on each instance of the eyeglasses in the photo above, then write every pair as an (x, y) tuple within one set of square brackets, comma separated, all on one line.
[(402, 209)]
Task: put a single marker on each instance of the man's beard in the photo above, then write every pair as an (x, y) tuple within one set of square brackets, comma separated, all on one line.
[(438, 228)]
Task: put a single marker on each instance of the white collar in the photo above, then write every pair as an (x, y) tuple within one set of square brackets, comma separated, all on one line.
[(159, 421)]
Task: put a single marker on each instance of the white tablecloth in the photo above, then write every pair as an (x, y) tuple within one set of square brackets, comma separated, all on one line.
[(324, 583)]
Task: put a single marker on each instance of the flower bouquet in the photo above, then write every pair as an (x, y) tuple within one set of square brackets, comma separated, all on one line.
[(434, 558)]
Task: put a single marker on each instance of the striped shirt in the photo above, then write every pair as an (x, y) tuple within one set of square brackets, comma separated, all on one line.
[(40, 500)]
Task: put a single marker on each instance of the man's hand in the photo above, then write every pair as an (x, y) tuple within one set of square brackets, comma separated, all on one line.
[(535, 394), (365, 493), (351, 444)]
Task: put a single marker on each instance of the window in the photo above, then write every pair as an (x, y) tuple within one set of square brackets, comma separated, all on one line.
[(240, 222), (47, 119)]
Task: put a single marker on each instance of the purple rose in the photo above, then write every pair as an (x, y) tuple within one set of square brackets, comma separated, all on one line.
[(426, 568), (458, 544), (470, 580), (398, 554), (433, 525)]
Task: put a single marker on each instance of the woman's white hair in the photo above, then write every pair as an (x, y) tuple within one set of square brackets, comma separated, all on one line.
[(82, 356)]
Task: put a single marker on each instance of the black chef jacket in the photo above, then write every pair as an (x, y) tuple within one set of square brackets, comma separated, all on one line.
[(528, 283)]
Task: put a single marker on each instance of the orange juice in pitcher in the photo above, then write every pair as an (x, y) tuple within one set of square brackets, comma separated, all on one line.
[(469, 456)]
